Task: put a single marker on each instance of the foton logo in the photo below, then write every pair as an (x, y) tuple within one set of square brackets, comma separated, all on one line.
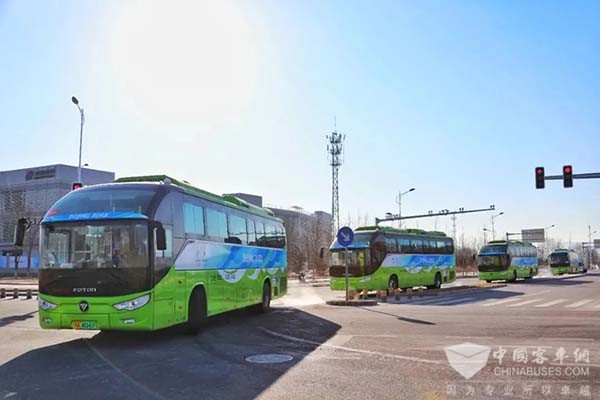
[(84, 290)]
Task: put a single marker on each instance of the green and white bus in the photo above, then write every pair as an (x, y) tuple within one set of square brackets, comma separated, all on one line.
[(565, 261), (386, 258), (145, 253), (507, 260)]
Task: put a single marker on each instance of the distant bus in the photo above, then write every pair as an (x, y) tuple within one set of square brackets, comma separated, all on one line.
[(387, 258), (565, 261), (502, 260), (146, 253)]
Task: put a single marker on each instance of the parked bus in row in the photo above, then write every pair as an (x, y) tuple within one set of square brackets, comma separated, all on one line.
[(507, 260), (146, 253), (382, 258), (566, 261)]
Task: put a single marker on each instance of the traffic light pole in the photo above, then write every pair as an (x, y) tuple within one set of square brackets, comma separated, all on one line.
[(432, 214)]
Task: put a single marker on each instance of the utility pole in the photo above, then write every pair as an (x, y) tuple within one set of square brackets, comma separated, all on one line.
[(493, 228), (335, 150), (399, 201)]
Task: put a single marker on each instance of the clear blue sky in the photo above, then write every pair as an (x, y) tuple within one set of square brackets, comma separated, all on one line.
[(458, 99)]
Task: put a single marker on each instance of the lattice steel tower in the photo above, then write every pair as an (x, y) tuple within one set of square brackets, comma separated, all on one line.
[(335, 150)]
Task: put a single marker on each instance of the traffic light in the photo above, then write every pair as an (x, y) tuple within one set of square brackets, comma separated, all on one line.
[(567, 176), (539, 178), (76, 185)]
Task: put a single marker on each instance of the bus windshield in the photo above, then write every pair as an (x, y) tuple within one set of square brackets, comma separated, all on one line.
[(96, 258), (493, 249), (105, 199), (559, 259)]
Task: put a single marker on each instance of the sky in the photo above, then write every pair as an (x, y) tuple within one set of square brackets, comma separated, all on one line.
[(460, 100)]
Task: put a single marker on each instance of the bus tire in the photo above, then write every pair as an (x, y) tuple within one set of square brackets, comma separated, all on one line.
[(488, 280), (437, 281), (196, 310), (265, 304), (514, 278), (392, 284)]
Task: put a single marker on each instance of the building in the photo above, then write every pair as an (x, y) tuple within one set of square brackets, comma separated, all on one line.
[(30, 192)]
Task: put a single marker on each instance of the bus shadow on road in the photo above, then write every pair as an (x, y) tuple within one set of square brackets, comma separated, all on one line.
[(169, 363), (562, 281)]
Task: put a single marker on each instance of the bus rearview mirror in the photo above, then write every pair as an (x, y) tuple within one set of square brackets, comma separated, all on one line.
[(321, 252), (20, 229), (161, 238)]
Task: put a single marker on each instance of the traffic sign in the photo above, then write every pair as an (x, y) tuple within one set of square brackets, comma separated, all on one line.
[(533, 235), (345, 236)]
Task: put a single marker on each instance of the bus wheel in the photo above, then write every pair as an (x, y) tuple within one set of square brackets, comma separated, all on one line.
[(530, 274), (392, 284), (196, 311), (488, 280), (514, 278), (437, 282), (265, 304)]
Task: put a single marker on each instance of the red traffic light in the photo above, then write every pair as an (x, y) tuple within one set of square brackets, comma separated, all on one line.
[(76, 185), (540, 177), (567, 176)]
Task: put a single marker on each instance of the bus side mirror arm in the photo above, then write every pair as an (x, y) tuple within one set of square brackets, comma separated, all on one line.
[(321, 252), (161, 237), (20, 229)]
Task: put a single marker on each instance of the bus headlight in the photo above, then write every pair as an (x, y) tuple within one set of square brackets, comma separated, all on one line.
[(134, 304), (46, 305)]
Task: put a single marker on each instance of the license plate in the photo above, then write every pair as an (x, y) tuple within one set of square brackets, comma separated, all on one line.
[(84, 325)]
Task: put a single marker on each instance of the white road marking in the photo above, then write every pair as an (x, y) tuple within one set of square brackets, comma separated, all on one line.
[(515, 298), (524, 303), (446, 302), (372, 353), (551, 303), (579, 303)]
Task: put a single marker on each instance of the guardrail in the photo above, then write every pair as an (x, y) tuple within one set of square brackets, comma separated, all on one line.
[(16, 293)]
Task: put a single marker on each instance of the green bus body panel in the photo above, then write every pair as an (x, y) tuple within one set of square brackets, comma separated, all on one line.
[(379, 280), (168, 303), (509, 273)]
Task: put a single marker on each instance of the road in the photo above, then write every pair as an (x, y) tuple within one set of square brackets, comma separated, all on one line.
[(386, 351)]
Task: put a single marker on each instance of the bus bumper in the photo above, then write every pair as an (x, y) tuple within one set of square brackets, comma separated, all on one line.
[(68, 316), (495, 275)]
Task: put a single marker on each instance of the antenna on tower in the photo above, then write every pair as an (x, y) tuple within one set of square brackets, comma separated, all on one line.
[(335, 150)]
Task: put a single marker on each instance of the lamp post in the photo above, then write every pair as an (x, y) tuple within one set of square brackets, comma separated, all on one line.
[(484, 235), (399, 201), (493, 229), (590, 248), (82, 118)]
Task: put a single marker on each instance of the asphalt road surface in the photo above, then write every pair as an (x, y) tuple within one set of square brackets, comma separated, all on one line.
[(514, 337)]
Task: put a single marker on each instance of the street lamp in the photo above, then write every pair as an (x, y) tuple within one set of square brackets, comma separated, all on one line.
[(484, 235), (399, 201), (493, 229), (76, 102), (590, 248)]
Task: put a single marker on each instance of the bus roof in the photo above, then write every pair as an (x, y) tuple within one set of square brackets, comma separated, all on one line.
[(387, 229), (226, 200)]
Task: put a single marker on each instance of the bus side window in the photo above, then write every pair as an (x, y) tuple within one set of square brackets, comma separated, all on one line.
[(280, 236), (193, 219), (261, 240), (237, 230), (392, 246), (216, 224), (251, 232), (405, 246), (416, 246)]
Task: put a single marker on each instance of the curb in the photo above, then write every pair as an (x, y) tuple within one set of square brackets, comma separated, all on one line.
[(355, 303)]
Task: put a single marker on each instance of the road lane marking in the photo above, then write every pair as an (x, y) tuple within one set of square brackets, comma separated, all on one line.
[(372, 353), (525, 302), (579, 303), (551, 303), (452, 301), (515, 298)]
